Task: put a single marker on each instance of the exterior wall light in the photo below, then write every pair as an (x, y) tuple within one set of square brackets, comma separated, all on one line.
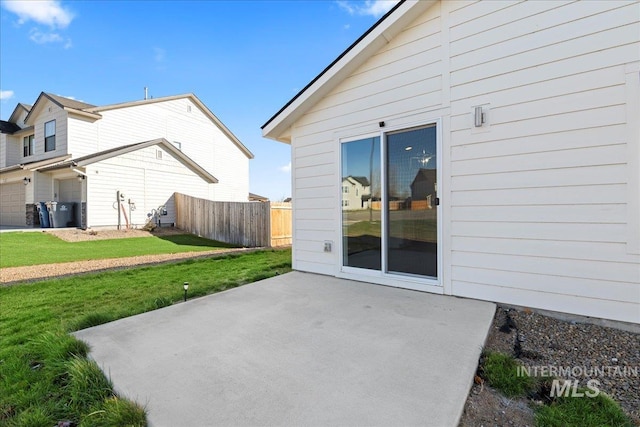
[(185, 285), (81, 178), (26, 180), (478, 117)]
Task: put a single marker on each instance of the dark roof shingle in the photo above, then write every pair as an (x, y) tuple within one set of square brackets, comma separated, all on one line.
[(68, 102), (8, 127)]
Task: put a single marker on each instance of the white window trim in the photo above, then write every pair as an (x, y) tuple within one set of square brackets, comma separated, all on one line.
[(55, 131), (434, 285)]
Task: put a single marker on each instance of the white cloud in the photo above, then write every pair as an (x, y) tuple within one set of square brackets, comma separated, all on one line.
[(37, 36), (286, 168), (374, 8), (6, 94), (47, 12)]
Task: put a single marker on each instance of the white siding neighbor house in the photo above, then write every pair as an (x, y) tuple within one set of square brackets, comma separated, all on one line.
[(502, 138), (356, 192), (84, 156)]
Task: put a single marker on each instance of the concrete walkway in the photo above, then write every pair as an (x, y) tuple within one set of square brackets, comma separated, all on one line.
[(299, 349)]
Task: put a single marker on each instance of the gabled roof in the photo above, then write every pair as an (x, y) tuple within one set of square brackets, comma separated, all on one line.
[(253, 197), (381, 33), (93, 111), (16, 111), (67, 104), (362, 180), (190, 96), (118, 151), (424, 175)]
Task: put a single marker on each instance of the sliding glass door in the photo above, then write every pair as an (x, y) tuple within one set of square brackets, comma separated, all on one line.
[(389, 203), (361, 191), (412, 217)]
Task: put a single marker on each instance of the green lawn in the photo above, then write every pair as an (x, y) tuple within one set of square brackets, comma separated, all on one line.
[(45, 376), (18, 249)]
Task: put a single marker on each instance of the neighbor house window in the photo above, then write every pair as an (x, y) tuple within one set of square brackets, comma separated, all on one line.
[(50, 136), (27, 146)]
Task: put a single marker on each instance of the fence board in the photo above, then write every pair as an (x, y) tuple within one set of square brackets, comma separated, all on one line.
[(281, 224), (240, 223), (249, 224)]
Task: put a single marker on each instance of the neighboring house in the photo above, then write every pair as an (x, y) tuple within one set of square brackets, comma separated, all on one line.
[(423, 189), (257, 198), (356, 192), (528, 114), (64, 150)]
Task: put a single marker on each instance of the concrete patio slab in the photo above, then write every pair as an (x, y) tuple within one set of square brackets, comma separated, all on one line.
[(299, 349)]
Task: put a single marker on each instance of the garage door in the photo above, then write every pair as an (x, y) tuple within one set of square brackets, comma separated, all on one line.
[(12, 206)]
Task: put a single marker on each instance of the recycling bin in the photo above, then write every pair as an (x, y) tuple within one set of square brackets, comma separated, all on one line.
[(62, 214)]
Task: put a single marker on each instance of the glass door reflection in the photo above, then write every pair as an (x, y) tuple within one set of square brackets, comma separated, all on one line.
[(361, 195), (411, 202)]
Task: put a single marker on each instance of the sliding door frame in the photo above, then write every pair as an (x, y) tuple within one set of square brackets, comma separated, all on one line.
[(383, 277)]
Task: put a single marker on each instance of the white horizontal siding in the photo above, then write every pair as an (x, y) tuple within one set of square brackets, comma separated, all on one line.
[(83, 136), (541, 143), (541, 28), (547, 71), (43, 187), (536, 202), (10, 150), (139, 176), (583, 195), (566, 249), (626, 311), (403, 78), (199, 137), (49, 111)]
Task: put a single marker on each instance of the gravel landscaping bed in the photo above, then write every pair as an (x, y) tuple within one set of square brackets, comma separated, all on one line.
[(572, 350)]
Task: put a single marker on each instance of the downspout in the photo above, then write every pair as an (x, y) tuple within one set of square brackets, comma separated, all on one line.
[(82, 221)]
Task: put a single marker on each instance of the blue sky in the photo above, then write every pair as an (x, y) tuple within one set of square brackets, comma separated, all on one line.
[(243, 59)]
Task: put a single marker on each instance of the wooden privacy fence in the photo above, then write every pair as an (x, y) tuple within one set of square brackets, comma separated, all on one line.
[(281, 222), (247, 224)]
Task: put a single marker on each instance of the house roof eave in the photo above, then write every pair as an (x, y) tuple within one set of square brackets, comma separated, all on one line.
[(355, 55), (114, 152), (82, 113), (194, 99), (16, 111), (62, 102)]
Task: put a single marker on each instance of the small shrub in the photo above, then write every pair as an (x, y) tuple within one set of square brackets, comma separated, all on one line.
[(115, 412), (501, 372), (92, 319), (87, 384), (33, 417), (59, 346), (161, 302), (582, 412)]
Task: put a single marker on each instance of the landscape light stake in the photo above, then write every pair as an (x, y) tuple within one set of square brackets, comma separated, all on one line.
[(185, 286)]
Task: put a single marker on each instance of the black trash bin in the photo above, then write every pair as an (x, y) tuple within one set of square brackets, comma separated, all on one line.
[(62, 214)]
